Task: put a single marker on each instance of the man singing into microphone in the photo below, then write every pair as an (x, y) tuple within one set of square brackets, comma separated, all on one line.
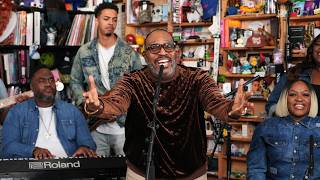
[(180, 141)]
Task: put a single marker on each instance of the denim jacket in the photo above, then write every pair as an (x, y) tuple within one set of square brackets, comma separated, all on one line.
[(20, 129), (280, 149), (275, 94), (86, 62)]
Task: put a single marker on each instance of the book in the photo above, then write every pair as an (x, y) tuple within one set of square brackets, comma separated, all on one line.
[(36, 27), (29, 34), (1, 67), (296, 37)]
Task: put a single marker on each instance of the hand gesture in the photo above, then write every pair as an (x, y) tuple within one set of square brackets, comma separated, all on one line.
[(85, 152), (91, 96), (41, 153), (21, 98), (240, 101)]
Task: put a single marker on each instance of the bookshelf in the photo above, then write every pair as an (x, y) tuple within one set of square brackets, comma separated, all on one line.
[(159, 24), (187, 24), (251, 17), (195, 42), (28, 34), (242, 129), (135, 28), (306, 21)]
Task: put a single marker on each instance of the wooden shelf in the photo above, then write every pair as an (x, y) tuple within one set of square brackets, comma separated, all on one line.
[(152, 24), (234, 178), (298, 55), (185, 24), (236, 158), (227, 74), (249, 48), (241, 139), (40, 47), (59, 47), (251, 17), (196, 59), (305, 18), (80, 12), (257, 98), (196, 43), (245, 119), (29, 9), (230, 75), (13, 47)]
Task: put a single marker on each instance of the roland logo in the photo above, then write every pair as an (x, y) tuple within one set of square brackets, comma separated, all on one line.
[(53, 165)]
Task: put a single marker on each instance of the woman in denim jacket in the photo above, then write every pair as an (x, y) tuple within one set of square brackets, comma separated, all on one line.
[(280, 148), (308, 70)]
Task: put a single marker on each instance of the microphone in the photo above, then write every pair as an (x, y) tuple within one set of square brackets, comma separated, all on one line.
[(157, 91), (150, 169), (244, 84), (309, 171), (160, 72)]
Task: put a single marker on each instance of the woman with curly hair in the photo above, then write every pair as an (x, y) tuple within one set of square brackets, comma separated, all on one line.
[(308, 70)]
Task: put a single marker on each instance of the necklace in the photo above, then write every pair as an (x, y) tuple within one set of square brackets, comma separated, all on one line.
[(47, 134)]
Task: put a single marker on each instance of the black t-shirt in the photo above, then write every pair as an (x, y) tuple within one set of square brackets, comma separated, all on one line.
[(317, 90)]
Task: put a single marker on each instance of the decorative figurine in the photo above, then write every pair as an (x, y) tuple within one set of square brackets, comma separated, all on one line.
[(51, 36), (157, 14)]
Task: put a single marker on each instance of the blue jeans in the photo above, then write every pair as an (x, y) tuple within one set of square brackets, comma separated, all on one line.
[(106, 142)]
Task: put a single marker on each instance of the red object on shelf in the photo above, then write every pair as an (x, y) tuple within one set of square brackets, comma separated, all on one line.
[(131, 39)]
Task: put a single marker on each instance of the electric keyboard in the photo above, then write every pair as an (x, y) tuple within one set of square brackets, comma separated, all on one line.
[(63, 168)]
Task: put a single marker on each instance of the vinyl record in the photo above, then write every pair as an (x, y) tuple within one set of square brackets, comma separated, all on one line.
[(10, 27)]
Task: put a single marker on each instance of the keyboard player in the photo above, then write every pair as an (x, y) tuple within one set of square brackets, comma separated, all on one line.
[(43, 127)]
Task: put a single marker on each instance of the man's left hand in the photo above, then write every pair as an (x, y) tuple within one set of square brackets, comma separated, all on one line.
[(240, 101), (85, 152)]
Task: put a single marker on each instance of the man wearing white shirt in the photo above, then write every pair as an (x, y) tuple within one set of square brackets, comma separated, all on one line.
[(106, 58), (43, 127)]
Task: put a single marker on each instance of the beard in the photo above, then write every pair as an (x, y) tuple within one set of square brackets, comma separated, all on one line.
[(166, 74), (44, 98), (108, 34)]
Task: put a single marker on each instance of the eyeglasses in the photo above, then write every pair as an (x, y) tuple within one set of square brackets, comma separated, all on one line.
[(46, 80), (156, 48)]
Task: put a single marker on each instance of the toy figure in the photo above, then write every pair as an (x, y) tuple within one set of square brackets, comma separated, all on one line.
[(245, 67), (157, 14), (196, 12)]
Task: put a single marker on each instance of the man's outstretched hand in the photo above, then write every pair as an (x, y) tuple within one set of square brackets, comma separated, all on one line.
[(240, 101), (91, 96)]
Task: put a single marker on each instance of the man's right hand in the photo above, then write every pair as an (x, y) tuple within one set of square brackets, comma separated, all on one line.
[(41, 153), (22, 97), (91, 97)]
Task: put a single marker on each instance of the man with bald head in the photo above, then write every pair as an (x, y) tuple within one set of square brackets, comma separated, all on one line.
[(180, 141), (43, 127)]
